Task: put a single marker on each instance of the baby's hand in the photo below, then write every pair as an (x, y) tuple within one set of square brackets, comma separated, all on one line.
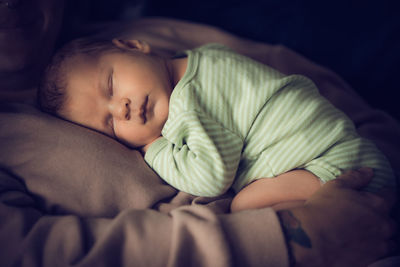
[(144, 148)]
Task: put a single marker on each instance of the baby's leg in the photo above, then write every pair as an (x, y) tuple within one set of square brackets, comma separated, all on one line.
[(291, 186)]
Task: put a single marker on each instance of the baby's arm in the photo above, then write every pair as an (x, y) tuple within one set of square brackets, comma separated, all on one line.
[(288, 187), (144, 148), (195, 154)]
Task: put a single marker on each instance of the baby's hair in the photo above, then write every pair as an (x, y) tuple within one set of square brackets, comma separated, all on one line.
[(51, 92)]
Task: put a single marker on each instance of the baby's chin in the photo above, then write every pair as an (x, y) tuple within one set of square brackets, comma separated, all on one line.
[(131, 144)]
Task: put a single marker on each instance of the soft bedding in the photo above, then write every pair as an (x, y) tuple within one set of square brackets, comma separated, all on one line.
[(69, 195)]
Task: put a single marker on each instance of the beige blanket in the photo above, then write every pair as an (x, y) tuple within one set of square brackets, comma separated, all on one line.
[(71, 196)]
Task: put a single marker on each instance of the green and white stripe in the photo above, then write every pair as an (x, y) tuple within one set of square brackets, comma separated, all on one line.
[(233, 120)]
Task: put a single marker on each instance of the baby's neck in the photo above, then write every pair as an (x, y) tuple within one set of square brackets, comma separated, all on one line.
[(178, 69)]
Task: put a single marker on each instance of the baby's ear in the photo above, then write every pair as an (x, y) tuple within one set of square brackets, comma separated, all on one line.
[(137, 45)]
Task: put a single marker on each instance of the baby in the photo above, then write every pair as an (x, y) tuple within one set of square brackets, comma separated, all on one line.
[(209, 119)]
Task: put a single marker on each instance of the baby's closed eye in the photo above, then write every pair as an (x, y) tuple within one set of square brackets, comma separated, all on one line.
[(110, 83)]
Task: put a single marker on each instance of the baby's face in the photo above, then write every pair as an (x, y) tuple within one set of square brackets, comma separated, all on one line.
[(124, 95)]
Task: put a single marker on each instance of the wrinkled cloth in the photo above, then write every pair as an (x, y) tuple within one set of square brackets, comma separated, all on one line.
[(71, 196)]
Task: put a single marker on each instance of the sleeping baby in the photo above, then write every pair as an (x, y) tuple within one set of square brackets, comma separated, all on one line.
[(208, 119)]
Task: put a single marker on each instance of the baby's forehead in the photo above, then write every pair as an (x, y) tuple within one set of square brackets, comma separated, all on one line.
[(77, 62), (84, 72), (92, 58), (93, 61), (81, 58)]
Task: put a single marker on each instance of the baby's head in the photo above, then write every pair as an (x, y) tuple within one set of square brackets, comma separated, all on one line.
[(117, 87)]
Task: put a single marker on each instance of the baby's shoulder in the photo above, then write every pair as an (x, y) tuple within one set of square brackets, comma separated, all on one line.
[(214, 49)]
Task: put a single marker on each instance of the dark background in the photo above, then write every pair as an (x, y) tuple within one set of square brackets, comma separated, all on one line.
[(359, 40)]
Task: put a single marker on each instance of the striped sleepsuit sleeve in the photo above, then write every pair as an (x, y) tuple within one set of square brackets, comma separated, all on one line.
[(196, 155)]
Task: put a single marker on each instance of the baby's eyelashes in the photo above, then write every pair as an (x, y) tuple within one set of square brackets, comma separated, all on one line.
[(110, 84)]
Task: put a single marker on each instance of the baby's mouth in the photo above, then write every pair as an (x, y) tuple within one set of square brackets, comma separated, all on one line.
[(143, 109)]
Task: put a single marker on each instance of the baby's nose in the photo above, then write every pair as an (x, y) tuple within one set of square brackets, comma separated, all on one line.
[(120, 109)]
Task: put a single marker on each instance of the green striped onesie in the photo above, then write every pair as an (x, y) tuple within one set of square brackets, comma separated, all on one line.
[(232, 120)]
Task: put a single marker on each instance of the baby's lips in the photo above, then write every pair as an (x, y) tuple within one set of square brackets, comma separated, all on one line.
[(143, 109)]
